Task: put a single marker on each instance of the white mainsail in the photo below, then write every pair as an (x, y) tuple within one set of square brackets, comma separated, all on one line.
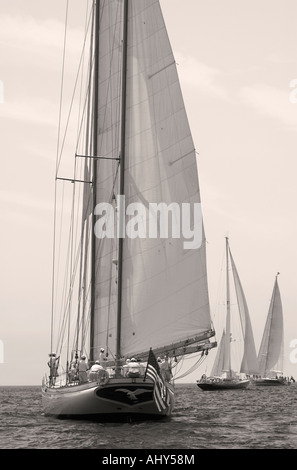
[(270, 355), (164, 291), (164, 294), (165, 297)]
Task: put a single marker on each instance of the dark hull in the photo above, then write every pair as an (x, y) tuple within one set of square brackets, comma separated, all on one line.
[(118, 400), (224, 385)]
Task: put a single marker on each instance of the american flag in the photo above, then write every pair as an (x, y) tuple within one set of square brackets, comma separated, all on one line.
[(161, 394)]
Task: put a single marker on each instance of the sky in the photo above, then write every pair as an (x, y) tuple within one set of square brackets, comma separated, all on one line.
[(238, 73)]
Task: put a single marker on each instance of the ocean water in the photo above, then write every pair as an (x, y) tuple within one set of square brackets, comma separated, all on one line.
[(256, 418)]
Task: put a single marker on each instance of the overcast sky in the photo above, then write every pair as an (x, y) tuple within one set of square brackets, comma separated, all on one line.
[(236, 62)]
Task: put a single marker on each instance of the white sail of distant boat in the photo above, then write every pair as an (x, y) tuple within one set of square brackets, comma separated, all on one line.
[(271, 352), (249, 363), (218, 365), (137, 297), (222, 374)]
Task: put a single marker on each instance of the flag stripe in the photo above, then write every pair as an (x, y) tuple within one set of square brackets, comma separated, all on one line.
[(170, 388), (159, 400), (161, 393)]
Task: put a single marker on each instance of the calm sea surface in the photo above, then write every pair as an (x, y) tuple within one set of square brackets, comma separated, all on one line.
[(259, 418)]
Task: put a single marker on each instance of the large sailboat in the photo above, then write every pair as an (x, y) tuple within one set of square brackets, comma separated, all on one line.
[(134, 303), (271, 352), (222, 376)]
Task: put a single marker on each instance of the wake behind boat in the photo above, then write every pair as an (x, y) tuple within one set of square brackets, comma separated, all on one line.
[(223, 377), (128, 296)]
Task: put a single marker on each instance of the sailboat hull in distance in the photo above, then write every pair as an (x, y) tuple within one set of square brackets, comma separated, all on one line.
[(222, 384), (268, 382), (125, 398)]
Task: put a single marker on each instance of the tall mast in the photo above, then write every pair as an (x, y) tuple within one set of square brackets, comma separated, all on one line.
[(122, 175), (228, 321), (86, 221), (95, 152)]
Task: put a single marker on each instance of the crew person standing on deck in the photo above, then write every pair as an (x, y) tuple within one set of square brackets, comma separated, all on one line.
[(82, 370), (102, 358), (53, 364), (165, 369)]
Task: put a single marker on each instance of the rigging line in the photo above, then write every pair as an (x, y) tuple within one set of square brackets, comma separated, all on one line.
[(83, 252), (62, 83), (76, 172), (85, 104), (82, 74), (81, 288), (89, 81), (61, 99), (86, 218), (68, 256), (194, 367), (63, 317), (55, 190), (64, 305), (116, 172), (122, 173), (67, 270), (85, 319), (72, 100), (79, 243), (85, 329), (72, 280), (84, 215), (72, 274), (66, 299), (100, 247), (94, 146), (108, 92), (109, 303), (83, 324), (60, 245), (85, 206), (219, 294), (117, 111)]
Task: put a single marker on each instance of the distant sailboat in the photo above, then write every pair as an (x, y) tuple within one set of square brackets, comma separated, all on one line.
[(222, 376), (136, 297), (271, 352)]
